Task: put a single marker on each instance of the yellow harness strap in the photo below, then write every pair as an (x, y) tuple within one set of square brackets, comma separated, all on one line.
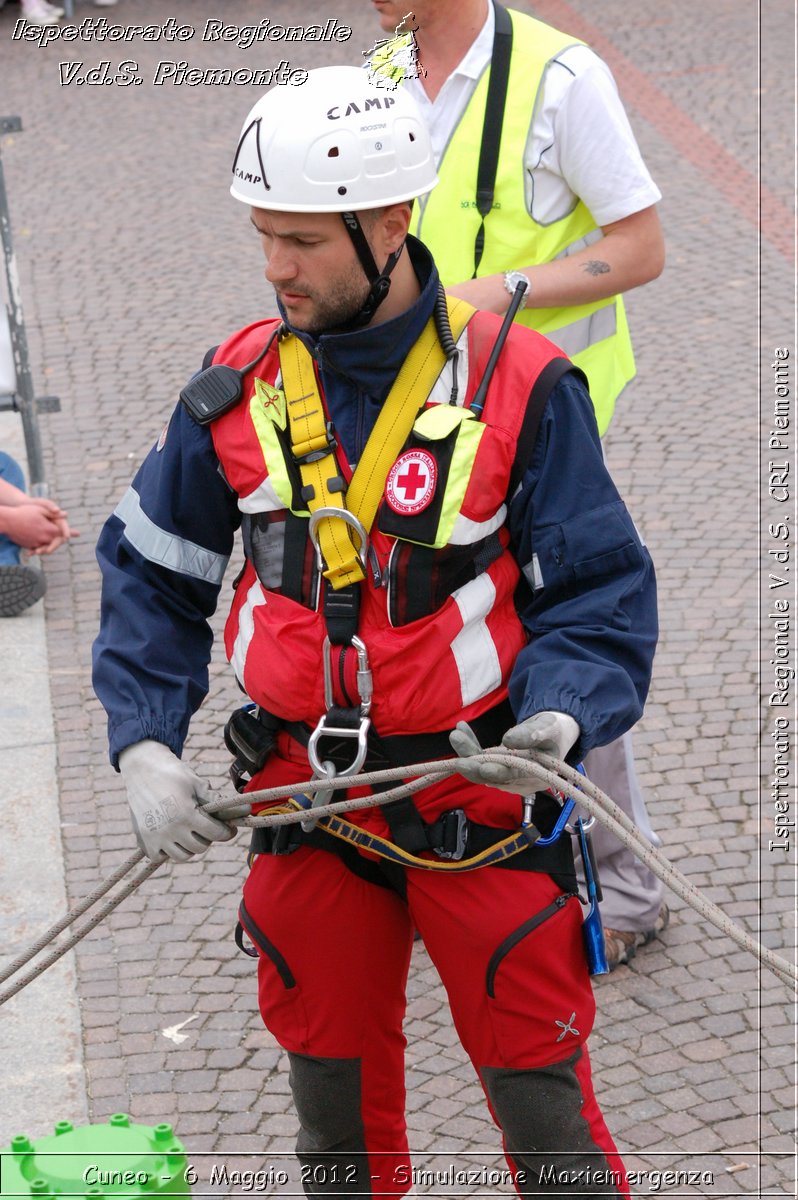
[(310, 442), (340, 828)]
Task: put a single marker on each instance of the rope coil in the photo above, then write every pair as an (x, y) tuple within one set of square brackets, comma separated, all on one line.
[(551, 771)]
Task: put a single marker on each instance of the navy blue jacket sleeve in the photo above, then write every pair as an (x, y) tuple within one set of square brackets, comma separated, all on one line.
[(588, 598), (162, 555)]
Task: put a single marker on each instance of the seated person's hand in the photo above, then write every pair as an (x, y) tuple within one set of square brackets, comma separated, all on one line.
[(36, 524)]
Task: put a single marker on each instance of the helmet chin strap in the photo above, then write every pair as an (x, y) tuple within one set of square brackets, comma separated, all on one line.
[(379, 280)]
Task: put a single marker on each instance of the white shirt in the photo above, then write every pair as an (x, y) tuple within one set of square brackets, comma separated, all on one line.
[(580, 144)]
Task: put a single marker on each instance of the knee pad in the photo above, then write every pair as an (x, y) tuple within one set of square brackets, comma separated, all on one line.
[(331, 1145), (540, 1111)]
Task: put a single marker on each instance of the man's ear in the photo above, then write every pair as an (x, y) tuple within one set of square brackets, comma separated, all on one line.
[(394, 223)]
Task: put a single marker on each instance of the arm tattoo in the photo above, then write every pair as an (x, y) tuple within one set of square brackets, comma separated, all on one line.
[(596, 267)]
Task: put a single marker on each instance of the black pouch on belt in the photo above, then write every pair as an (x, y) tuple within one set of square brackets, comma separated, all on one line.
[(249, 736)]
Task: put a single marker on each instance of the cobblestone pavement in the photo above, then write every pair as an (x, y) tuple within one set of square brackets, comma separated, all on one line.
[(133, 261)]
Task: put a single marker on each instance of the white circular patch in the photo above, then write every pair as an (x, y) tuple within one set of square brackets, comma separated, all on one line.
[(411, 480)]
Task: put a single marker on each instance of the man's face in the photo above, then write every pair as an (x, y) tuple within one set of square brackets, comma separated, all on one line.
[(312, 266), (392, 13)]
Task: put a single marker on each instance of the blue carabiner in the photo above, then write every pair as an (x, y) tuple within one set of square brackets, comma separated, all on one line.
[(562, 820), (592, 927)]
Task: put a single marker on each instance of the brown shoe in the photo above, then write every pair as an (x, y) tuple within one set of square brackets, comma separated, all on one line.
[(621, 946)]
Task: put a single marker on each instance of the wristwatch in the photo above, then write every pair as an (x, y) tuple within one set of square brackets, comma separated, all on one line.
[(511, 282)]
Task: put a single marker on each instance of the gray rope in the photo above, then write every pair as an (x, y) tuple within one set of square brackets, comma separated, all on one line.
[(79, 933), (76, 912), (577, 787), (554, 773)]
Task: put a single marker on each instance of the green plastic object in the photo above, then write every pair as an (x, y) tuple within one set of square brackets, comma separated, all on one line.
[(112, 1160)]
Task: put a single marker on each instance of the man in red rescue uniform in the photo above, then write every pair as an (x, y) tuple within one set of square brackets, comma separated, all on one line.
[(485, 585)]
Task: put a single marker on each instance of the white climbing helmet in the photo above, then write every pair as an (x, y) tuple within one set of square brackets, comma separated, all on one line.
[(336, 143)]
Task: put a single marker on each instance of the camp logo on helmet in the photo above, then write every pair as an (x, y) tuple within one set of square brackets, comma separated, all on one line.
[(336, 144), (335, 114), (411, 481), (251, 176)]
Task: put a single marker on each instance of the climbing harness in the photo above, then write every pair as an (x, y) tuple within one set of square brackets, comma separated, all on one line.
[(553, 774), (451, 862), (341, 514)]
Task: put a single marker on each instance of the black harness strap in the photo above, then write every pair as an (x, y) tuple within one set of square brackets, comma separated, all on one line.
[(284, 839), (492, 126), (341, 610), (542, 388)]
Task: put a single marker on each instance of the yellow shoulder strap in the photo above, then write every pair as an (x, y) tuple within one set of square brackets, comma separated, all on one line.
[(311, 447)]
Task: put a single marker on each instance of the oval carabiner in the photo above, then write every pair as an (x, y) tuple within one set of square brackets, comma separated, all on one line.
[(349, 519), (365, 684)]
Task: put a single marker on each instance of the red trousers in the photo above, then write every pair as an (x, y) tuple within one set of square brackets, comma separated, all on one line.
[(334, 952)]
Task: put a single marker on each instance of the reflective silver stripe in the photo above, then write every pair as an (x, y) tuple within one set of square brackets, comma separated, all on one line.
[(246, 629), (593, 328), (473, 648), (589, 239), (263, 499), (465, 531), (533, 574), (167, 549)]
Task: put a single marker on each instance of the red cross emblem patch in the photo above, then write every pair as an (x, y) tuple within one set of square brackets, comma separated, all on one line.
[(411, 481)]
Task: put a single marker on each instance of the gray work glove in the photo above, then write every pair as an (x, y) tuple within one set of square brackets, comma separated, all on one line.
[(166, 798), (551, 732)]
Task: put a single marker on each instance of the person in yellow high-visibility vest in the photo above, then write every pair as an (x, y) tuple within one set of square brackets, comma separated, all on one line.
[(568, 206)]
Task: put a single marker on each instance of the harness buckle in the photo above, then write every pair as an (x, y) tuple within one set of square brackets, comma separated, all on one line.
[(319, 447), (452, 827)]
